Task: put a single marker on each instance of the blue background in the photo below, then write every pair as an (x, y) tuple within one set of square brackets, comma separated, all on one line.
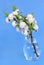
[(11, 41)]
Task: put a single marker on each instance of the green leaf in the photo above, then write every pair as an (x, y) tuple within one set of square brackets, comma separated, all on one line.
[(6, 14), (26, 21), (31, 26), (17, 17), (24, 18), (14, 8)]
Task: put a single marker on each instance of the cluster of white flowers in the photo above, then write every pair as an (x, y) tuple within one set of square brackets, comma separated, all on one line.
[(12, 15), (31, 19), (26, 24), (23, 27), (21, 24)]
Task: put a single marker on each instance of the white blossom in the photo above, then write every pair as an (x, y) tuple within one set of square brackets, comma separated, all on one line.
[(26, 28), (7, 20), (10, 16), (15, 12), (22, 24), (25, 32), (14, 23), (30, 18)]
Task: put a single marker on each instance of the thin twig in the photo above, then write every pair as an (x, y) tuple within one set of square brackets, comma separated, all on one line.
[(35, 51)]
